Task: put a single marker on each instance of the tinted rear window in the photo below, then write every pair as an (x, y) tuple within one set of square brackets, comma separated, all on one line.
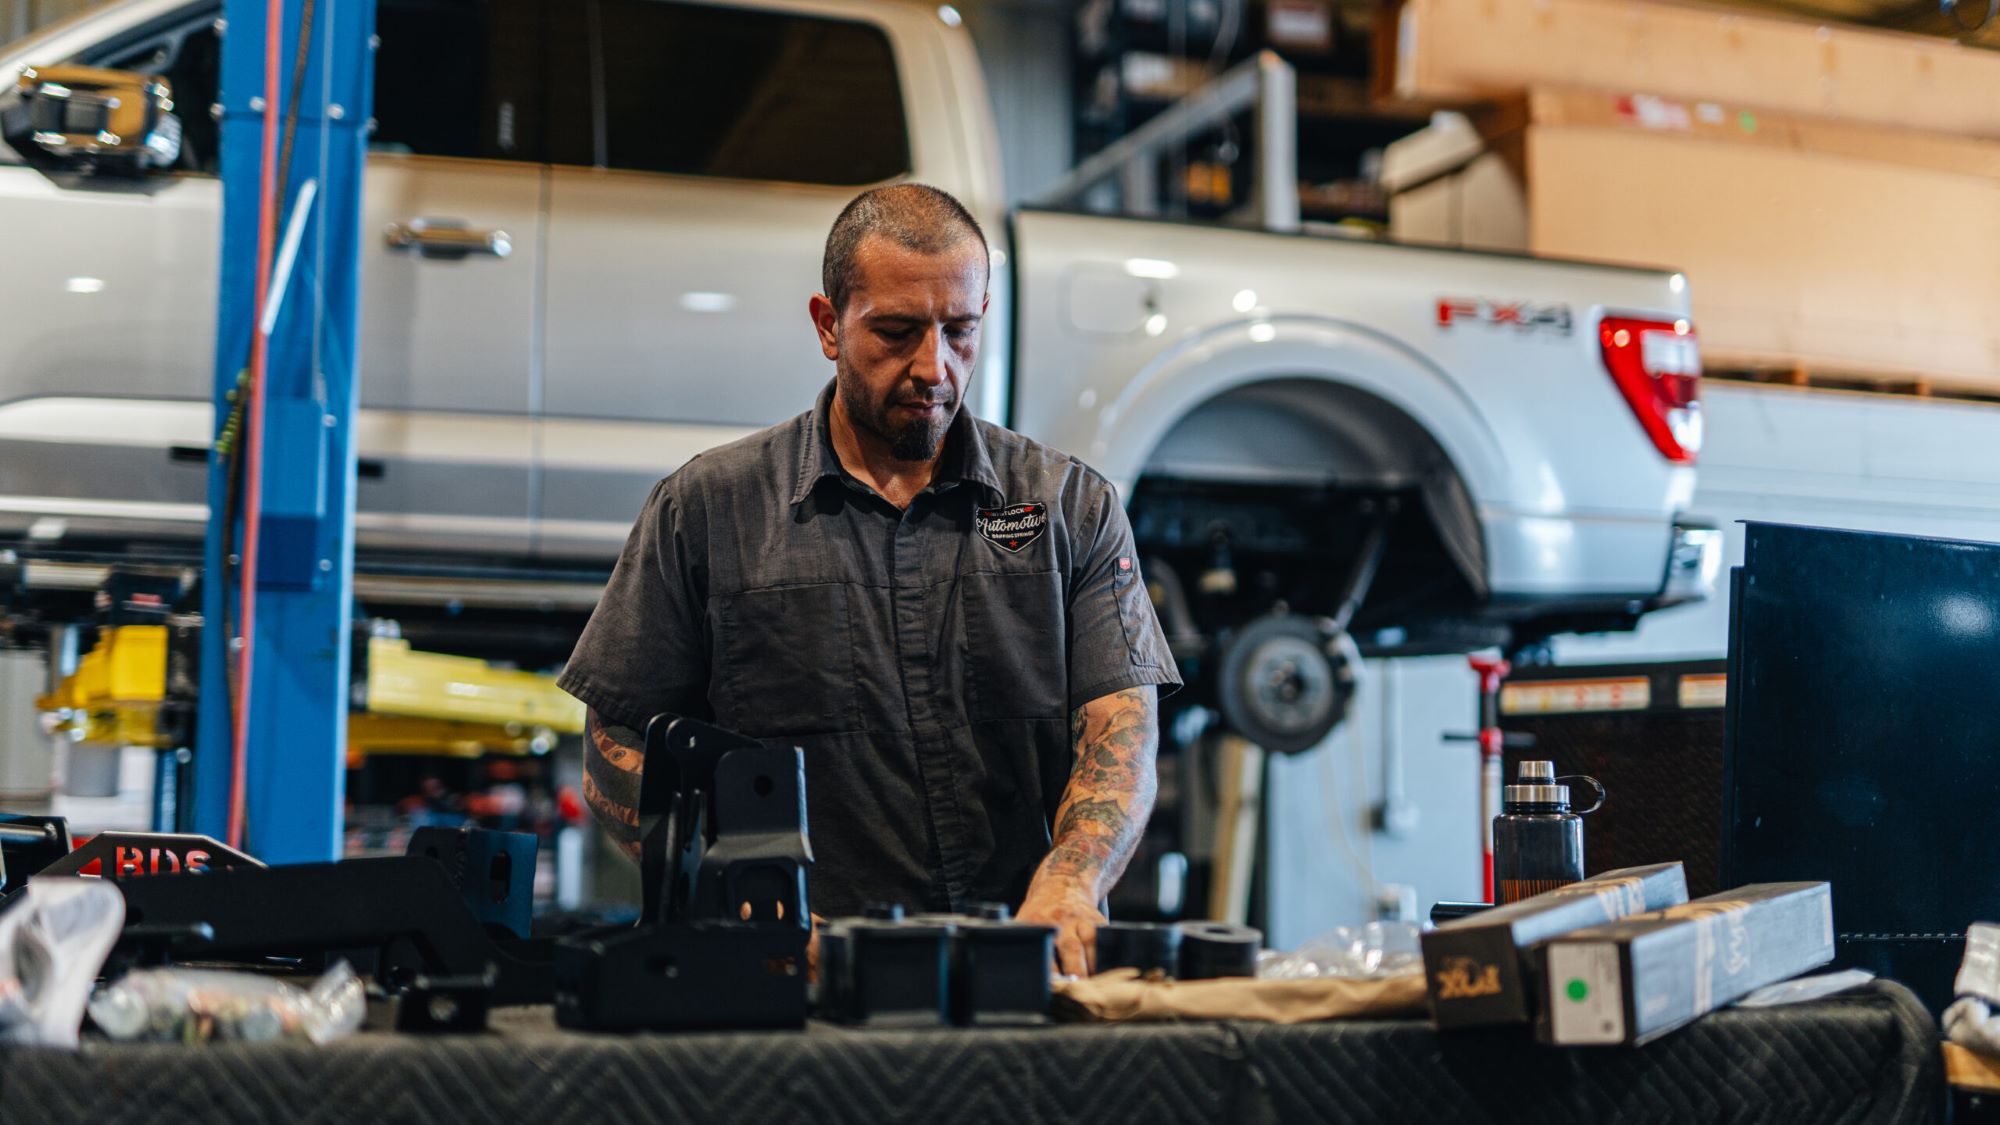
[(753, 95)]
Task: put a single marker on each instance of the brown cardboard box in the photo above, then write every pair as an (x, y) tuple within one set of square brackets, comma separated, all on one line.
[(1715, 120), (1836, 247), (1459, 50)]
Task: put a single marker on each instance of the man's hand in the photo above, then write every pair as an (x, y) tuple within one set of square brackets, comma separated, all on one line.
[(1103, 812), (1070, 907), (812, 949)]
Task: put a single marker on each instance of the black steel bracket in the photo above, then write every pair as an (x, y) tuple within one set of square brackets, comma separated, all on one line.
[(722, 933)]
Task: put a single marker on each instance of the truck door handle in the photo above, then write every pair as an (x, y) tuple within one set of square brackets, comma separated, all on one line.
[(446, 238)]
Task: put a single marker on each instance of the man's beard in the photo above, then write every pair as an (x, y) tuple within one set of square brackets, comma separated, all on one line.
[(913, 440)]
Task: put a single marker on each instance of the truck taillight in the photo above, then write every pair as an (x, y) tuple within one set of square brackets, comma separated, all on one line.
[(1657, 366)]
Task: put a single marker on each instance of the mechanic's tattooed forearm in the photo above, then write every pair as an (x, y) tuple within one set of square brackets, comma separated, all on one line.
[(1111, 788), (611, 782)]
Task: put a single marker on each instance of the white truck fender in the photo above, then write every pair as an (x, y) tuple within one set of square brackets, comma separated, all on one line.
[(1221, 358)]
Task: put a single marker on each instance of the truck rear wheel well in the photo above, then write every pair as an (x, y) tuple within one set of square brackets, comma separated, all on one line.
[(1292, 470)]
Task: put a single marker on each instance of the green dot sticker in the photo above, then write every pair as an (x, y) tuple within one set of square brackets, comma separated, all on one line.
[(1747, 121), (1577, 990)]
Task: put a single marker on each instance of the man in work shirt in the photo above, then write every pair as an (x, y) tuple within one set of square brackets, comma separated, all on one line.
[(947, 617)]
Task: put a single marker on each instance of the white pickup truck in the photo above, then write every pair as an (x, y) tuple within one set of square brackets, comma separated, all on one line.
[(599, 225)]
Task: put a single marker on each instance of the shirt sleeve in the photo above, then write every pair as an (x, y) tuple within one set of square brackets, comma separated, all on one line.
[(645, 650), (1115, 640)]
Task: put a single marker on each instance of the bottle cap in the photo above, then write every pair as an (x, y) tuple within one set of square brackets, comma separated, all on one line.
[(1537, 795), (1537, 787)]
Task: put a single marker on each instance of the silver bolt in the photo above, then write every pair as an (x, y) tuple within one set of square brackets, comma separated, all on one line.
[(215, 110), (443, 1009), (372, 123), (336, 111), (257, 104), (236, 644), (221, 26), (325, 565), (374, 42), (329, 421)]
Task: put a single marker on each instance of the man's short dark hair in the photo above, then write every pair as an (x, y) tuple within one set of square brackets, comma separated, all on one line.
[(915, 216)]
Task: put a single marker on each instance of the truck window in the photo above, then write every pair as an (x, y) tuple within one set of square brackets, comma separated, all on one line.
[(756, 95), (459, 78), (452, 78)]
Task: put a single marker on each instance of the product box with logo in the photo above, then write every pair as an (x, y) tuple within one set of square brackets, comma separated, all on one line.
[(1476, 969), (1633, 980)]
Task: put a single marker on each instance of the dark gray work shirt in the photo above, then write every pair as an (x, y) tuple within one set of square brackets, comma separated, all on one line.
[(926, 660)]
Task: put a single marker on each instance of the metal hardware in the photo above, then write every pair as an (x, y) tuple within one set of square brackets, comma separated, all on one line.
[(977, 969), (1000, 969), (407, 919), (1145, 946), (1692, 564), (446, 238), (723, 926), (28, 845), (887, 972), (445, 1004), (494, 871), (123, 855), (1211, 950), (1264, 81)]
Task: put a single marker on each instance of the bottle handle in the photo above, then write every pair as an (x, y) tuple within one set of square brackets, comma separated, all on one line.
[(1594, 784)]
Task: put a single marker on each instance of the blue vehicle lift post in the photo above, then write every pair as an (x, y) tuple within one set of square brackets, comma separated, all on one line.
[(296, 706)]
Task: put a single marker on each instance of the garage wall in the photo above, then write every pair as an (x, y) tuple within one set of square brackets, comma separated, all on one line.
[(1327, 863), (1024, 50)]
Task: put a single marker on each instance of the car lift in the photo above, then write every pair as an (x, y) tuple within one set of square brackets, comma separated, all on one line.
[(131, 689), (294, 133)]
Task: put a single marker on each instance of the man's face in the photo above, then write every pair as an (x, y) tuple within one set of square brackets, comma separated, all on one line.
[(904, 346)]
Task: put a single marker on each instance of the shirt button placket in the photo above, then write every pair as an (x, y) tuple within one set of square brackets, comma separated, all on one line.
[(913, 643)]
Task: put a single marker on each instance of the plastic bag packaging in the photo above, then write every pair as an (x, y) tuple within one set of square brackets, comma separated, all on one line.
[(1970, 1022), (54, 936), (198, 1005), (1370, 952), (1802, 989)]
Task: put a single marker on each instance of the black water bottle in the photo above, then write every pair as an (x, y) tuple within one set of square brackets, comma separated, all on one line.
[(1537, 840)]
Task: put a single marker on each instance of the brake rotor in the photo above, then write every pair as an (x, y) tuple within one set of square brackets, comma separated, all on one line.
[(1283, 684)]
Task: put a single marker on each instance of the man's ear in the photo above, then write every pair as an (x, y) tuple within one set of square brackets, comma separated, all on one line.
[(826, 321)]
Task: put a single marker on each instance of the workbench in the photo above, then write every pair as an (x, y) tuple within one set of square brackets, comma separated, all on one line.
[(1870, 1055)]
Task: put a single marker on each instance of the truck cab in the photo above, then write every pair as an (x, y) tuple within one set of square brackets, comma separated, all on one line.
[(589, 235)]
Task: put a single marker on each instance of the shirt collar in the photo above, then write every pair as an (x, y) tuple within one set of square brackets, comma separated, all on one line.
[(965, 454)]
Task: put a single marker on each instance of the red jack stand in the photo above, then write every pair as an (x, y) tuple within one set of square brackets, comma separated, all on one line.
[(1492, 670)]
